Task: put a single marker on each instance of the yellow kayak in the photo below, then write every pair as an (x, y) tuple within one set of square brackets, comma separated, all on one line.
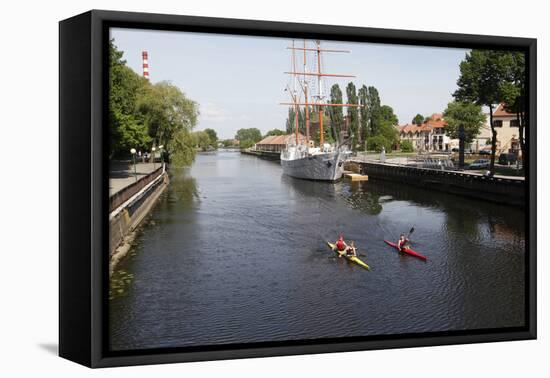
[(353, 259)]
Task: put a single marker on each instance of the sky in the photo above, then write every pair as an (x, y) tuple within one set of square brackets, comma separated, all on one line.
[(239, 81)]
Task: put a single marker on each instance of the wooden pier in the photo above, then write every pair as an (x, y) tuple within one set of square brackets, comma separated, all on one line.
[(355, 176)]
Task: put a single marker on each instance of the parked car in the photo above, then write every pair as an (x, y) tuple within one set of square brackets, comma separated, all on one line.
[(484, 152), (466, 150), (480, 164), (507, 159)]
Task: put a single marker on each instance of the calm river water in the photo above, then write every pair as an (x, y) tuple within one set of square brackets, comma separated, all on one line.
[(235, 252)]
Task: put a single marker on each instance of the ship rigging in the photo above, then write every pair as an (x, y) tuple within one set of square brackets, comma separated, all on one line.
[(307, 161)]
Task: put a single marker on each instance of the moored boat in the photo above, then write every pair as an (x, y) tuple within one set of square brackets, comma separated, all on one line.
[(301, 159), (313, 164)]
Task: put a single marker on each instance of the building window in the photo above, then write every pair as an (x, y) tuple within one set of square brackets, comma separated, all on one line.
[(514, 123), (497, 123)]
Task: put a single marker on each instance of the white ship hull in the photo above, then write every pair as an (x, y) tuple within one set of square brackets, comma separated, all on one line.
[(322, 166)]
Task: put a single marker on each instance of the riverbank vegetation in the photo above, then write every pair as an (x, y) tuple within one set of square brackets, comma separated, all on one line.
[(248, 137), (275, 132), (205, 140), (143, 115)]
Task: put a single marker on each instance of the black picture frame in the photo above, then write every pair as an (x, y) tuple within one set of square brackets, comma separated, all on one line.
[(83, 205)]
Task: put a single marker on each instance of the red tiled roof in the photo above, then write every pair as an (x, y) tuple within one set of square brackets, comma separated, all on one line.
[(436, 124), (435, 121), (409, 128), (280, 139), (501, 112)]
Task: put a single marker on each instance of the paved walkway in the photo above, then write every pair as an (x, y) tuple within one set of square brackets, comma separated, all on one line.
[(122, 174)]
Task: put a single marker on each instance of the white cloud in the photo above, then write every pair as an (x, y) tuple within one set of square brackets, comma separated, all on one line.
[(210, 112)]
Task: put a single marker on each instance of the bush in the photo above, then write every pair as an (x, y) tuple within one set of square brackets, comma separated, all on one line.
[(246, 144), (377, 142), (407, 146)]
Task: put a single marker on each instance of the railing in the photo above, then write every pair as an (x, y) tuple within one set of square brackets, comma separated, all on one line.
[(125, 194), (432, 161)]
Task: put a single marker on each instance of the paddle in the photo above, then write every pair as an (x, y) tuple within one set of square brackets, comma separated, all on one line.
[(410, 232), (409, 235)]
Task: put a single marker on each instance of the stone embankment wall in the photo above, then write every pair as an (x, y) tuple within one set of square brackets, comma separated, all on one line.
[(124, 220), (506, 190)]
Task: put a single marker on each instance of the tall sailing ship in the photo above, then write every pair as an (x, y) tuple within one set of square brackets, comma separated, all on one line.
[(304, 160)]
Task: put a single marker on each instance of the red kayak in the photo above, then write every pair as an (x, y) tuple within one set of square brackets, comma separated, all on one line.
[(407, 251)]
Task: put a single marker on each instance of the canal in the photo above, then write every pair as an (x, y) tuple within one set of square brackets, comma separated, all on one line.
[(235, 252)]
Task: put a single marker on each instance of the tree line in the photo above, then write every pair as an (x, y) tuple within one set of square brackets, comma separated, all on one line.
[(490, 77), (371, 125), (247, 137), (143, 115)]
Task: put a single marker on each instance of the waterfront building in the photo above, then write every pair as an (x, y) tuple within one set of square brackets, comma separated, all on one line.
[(507, 127), (277, 143), (429, 136)]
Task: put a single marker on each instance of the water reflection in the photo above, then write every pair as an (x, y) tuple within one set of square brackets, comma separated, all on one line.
[(235, 252)]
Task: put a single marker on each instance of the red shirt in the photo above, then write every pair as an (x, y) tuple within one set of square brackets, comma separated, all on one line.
[(340, 245)]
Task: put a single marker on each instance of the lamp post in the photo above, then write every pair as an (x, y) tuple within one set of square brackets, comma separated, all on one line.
[(133, 152), (153, 153), (161, 154)]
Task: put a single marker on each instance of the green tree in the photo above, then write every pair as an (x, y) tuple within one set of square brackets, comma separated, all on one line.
[(377, 142), (373, 110), (362, 94), (407, 146), (387, 126), (387, 115), (183, 150), (418, 119), (353, 114), (142, 114), (291, 120), (482, 74), (213, 137), (468, 115), (228, 143), (247, 143), (165, 109), (335, 113), (251, 134), (126, 129), (201, 140), (514, 95), (275, 132)]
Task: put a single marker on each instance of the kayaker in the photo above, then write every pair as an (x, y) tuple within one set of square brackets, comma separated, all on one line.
[(341, 246), (403, 242), (351, 250)]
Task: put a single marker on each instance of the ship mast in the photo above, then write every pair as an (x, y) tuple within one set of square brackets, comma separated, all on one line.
[(305, 96), (319, 103), (295, 99), (320, 97)]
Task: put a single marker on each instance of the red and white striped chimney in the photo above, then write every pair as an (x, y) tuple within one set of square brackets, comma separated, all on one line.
[(145, 59)]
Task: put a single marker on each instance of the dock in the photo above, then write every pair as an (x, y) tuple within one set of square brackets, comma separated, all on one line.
[(267, 155), (355, 176)]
